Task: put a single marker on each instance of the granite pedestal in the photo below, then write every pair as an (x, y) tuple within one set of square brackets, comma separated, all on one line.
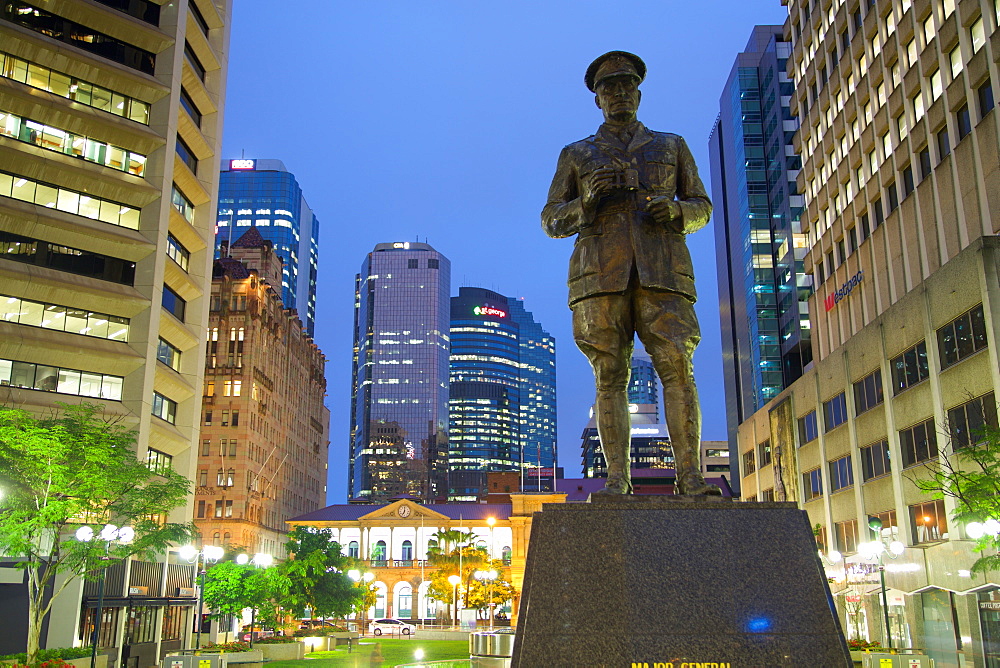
[(675, 582)]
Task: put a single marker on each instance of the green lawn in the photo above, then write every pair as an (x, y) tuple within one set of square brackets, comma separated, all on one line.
[(394, 652)]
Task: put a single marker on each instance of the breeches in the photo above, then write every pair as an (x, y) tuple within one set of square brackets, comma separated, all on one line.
[(604, 327)]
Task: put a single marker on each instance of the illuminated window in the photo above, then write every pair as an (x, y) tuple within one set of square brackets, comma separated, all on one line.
[(937, 86), (63, 318), (70, 201), (978, 35), (61, 141), (65, 381), (928, 522)]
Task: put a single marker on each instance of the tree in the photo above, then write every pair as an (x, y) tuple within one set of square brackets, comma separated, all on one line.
[(449, 553), (368, 597), (77, 467), (230, 588), (971, 476), (482, 592), (317, 575)]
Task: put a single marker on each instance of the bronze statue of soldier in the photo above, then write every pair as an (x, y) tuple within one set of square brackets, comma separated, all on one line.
[(630, 195)]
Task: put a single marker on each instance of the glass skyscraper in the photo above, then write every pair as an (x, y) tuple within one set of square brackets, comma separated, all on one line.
[(502, 395), (643, 383), (264, 194), (649, 437), (763, 290), (399, 398), (538, 396), (485, 394)]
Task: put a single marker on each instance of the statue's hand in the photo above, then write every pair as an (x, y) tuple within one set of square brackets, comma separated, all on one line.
[(666, 211), (600, 184)]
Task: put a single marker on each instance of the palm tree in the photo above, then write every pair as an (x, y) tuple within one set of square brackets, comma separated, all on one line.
[(452, 552)]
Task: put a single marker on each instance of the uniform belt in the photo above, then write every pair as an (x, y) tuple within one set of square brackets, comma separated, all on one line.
[(623, 202)]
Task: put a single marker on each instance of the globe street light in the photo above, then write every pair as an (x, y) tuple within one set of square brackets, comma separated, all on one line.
[(209, 554), (875, 550), (108, 535), (454, 580), (260, 560), (976, 530)]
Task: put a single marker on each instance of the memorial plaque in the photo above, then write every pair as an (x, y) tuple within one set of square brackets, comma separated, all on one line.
[(675, 582)]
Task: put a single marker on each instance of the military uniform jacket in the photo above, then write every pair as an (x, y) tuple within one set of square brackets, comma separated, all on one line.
[(618, 234)]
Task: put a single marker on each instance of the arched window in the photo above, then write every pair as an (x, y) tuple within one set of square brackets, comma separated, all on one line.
[(505, 555), (380, 602), (227, 538), (215, 538), (353, 550), (378, 552), (407, 551)]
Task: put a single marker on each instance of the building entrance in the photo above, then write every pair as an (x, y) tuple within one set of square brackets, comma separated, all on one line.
[(989, 619)]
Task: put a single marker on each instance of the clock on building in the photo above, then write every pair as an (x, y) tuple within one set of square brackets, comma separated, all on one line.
[(403, 511)]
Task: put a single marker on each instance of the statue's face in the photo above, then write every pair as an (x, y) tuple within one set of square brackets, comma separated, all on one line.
[(618, 97)]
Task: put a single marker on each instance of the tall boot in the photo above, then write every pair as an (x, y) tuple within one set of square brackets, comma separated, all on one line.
[(683, 414), (614, 429), (687, 465)]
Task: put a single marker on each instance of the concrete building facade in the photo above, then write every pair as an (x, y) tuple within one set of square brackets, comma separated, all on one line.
[(264, 442), (110, 129), (900, 173)]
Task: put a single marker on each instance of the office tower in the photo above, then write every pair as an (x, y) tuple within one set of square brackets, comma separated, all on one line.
[(538, 398), (650, 438), (502, 395), (650, 443), (264, 435), (265, 195), (763, 291), (898, 137), (643, 383), (399, 391), (110, 128), (484, 406)]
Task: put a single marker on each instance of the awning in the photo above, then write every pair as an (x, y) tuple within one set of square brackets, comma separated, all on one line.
[(139, 601)]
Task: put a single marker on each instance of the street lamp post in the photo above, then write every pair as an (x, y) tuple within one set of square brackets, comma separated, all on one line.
[(260, 560), (367, 578), (108, 535), (209, 554), (454, 580), (875, 550), (489, 576)]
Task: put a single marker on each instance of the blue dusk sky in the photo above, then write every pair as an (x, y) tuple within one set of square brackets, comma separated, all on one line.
[(442, 121)]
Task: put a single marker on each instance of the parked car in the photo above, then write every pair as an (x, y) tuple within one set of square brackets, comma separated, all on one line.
[(258, 633), (380, 626)]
